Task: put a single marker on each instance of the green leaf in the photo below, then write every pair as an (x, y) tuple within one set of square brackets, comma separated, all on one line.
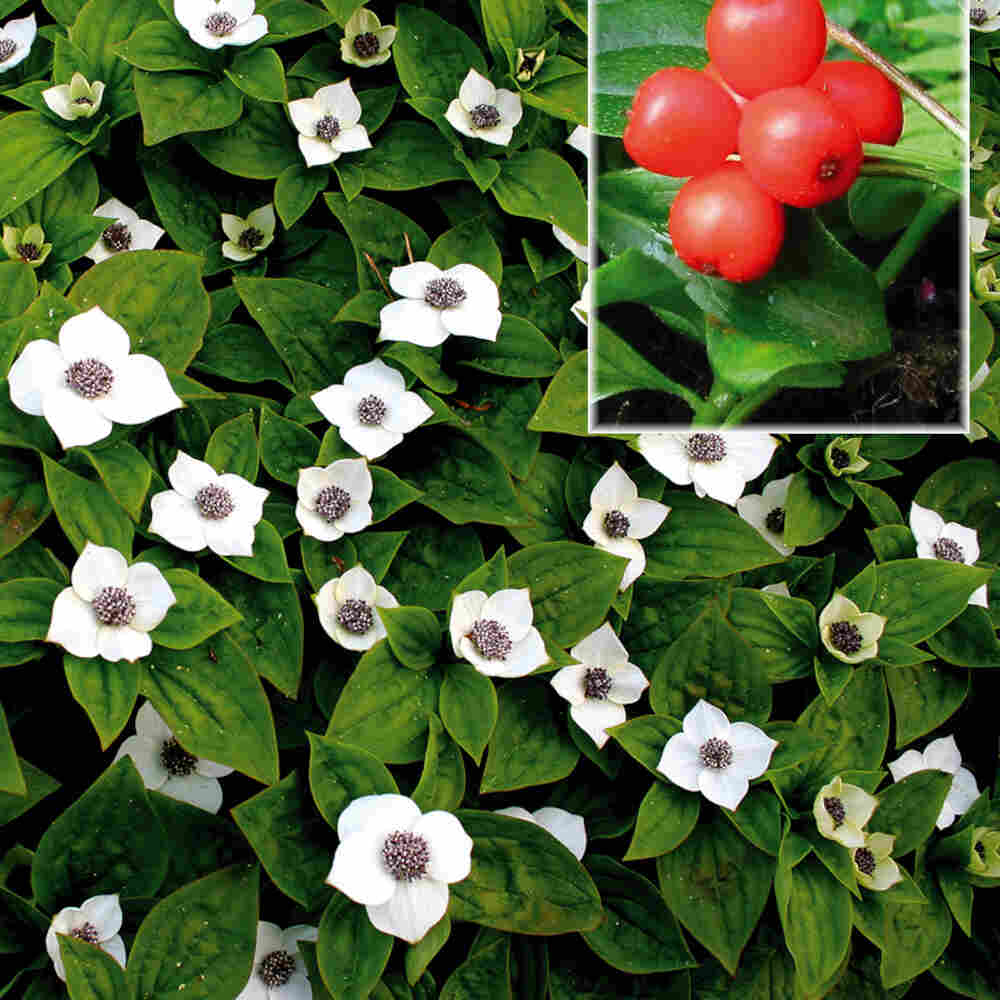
[(286, 446), (468, 708), (241, 353), (199, 612), (292, 18), (187, 208), (91, 973), (11, 777), (467, 243), (26, 608), (968, 640), (260, 145), (759, 818), (125, 473), (618, 367), (432, 57), (268, 562), (408, 155), (539, 184), (414, 635), (107, 691), (521, 350), (351, 952), (667, 815), (160, 45), (759, 620), (389, 494), (178, 103), (340, 773), (86, 511), (259, 73), (442, 781), (296, 189), (486, 972), (644, 738), (965, 492), (233, 446), (810, 513), (923, 698), (909, 809), (420, 955), (39, 785)]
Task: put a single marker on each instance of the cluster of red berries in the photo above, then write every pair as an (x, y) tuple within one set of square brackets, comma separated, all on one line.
[(798, 124)]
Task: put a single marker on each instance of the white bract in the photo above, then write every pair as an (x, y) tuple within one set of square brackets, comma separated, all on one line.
[(328, 123), (167, 767), (841, 812), (205, 508), (372, 408), (463, 301), (366, 41), (979, 377), (16, 38), (952, 542), (76, 99), (96, 920), (334, 500), (766, 512), (978, 228), (399, 863), (494, 633), (89, 381), (575, 247), (873, 866), (481, 111), (127, 232), (110, 607), (568, 828), (713, 756), (600, 684), (619, 517), (984, 15), (212, 25), (941, 755), (719, 463), (348, 608), (780, 588), (581, 308), (848, 633), (279, 972), (247, 237), (580, 140)]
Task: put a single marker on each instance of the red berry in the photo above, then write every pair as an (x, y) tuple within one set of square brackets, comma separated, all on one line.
[(866, 95), (682, 123), (799, 146), (712, 72), (722, 224), (760, 45)]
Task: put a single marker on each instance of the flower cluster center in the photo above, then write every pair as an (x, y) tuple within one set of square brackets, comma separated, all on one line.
[(596, 683), (443, 293), (117, 237), (839, 458), (221, 23), (82, 100), (846, 637), (485, 116), (7, 48), (114, 606), (176, 761), (405, 856), (86, 932), (945, 548), (491, 639), (715, 753), (355, 616), (328, 128), (90, 378), (214, 502), (829, 168), (28, 251), (372, 411), (702, 447), (775, 520), (332, 503), (978, 15), (980, 849), (616, 524), (835, 807), (250, 238), (865, 861), (276, 968), (366, 44)]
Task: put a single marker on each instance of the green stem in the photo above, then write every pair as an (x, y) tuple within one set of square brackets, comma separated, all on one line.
[(914, 173), (714, 410), (750, 405), (938, 204)]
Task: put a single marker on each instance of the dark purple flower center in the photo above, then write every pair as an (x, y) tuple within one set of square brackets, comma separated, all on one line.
[(978, 15), (366, 44), (332, 503), (485, 116), (90, 378), (702, 447), (835, 807), (7, 48), (83, 100), (839, 458), (86, 932), (491, 639), (327, 128), (117, 237), (865, 861), (405, 856), (221, 23), (214, 502), (250, 238), (775, 521), (596, 683), (355, 616), (114, 606), (372, 411), (28, 251), (716, 754), (275, 969), (846, 637), (945, 548), (176, 761), (443, 293), (616, 524)]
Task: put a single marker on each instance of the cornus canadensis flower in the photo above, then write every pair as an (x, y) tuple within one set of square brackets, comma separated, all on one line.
[(978, 229), (26, 245), (89, 381), (568, 828), (372, 409), (873, 865), (366, 41), (580, 140), (166, 767), (399, 863), (205, 508), (843, 456), (76, 99), (97, 921), (110, 607), (481, 111), (528, 63), (600, 684), (577, 249), (247, 237), (766, 512), (348, 609), (978, 155), (495, 633), (16, 38), (716, 757), (984, 15), (841, 811), (581, 308), (941, 755), (328, 123), (212, 25), (463, 301), (719, 463), (952, 542), (127, 232), (334, 500), (279, 972), (984, 859), (619, 517), (848, 633)]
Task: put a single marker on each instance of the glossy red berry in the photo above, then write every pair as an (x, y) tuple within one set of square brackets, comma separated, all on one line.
[(682, 123), (760, 45), (723, 225), (866, 94), (799, 146)]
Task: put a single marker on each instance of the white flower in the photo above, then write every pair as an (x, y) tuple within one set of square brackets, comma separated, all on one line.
[(600, 683), (841, 811), (979, 378), (978, 228), (212, 25), (873, 866), (482, 112), (399, 863), (89, 381), (580, 140), (952, 542), (568, 828), (941, 755), (16, 38), (167, 767), (247, 237), (978, 155), (780, 588), (207, 509), (848, 633), (366, 42), (619, 517), (76, 99), (278, 970), (716, 757), (328, 123), (127, 232), (719, 463), (766, 512), (348, 608), (110, 606), (581, 308), (984, 15), (579, 250), (372, 409), (97, 920), (334, 500), (463, 301), (495, 633)]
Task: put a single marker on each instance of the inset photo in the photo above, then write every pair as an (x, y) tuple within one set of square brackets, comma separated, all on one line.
[(780, 210)]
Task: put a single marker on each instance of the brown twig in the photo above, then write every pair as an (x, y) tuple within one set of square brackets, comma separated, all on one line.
[(409, 249), (378, 273)]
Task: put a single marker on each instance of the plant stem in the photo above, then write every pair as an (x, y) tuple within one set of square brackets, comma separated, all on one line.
[(869, 169), (933, 210), (940, 113), (749, 405), (714, 410)]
